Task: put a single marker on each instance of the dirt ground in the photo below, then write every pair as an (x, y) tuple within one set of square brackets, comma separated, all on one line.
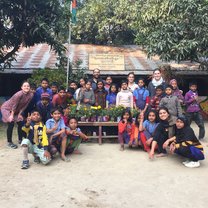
[(103, 177)]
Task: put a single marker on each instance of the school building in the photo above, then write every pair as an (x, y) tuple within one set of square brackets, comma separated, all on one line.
[(116, 61)]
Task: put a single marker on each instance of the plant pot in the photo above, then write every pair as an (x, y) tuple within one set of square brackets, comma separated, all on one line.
[(105, 118), (99, 118), (83, 119), (93, 119)]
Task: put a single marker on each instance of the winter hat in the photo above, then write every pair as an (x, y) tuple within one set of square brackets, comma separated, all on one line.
[(45, 96)]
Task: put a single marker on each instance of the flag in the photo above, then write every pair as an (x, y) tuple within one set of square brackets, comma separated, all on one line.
[(74, 12)]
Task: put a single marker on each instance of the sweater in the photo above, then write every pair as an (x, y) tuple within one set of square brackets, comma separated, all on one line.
[(87, 94), (191, 103), (36, 133), (125, 98), (172, 104)]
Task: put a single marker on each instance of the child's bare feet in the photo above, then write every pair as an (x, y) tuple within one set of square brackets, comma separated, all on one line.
[(77, 152), (161, 155), (65, 159), (151, 155), (122, 148)]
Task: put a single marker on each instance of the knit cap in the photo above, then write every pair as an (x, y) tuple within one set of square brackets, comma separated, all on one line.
[(45, 96)]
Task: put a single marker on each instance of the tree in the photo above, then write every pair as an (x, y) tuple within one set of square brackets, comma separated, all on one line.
[(174, 29), (105, 22), (29, 22)]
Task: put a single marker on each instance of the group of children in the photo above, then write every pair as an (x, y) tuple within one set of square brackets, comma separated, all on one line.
[(44, 114)]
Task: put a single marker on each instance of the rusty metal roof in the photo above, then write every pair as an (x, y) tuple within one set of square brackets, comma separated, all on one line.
[(41, 56)]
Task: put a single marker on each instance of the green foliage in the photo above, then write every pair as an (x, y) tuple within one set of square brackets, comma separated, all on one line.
[(105, 22), (53, 75), (174, 29), (59, 75), (30, 22), (78, 71)]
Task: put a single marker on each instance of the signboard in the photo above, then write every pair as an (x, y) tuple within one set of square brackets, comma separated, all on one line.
[(109, 62)]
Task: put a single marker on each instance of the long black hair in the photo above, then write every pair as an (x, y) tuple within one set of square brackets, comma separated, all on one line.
[(127, 110)]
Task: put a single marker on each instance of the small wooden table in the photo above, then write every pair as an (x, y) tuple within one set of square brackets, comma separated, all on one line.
[(99, 125)]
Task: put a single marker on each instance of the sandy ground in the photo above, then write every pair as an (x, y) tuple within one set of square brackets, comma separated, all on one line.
[(102, 177)]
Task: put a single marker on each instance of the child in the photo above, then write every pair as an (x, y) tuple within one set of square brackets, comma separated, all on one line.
[(56, 133), (36, 142), (176, 92), (141, 96), (54, 88), (171, 102), (100, 94), (87, 96), (74, 137), (73, 85), (43, 89), (60, 99), (124, 97), (193, 109), (12, 111), (148, 128), (135, 140), (82, 83), (155, 100), (70, 100), (44, 107), (125, 129), (66, 113), (111, 97), (186, 144), (108, 83)]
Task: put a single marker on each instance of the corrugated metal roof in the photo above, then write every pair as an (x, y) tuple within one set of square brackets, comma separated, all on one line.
[(41, 56)]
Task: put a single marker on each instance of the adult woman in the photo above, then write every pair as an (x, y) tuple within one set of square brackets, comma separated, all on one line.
[(164, 131), (131, 84), (12, 111), (156, 81)]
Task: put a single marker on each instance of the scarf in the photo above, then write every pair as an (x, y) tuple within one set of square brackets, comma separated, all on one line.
[(186, 133), (157, 83)]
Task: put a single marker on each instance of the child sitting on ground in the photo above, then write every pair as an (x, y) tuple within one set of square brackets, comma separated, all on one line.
[(44, 107), (148, 129), (136, 139), (186, 144), (74, 137), (125, 129), (56, 133), (36, 142)]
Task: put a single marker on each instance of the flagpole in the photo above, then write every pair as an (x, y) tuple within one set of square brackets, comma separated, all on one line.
[(69, 43)]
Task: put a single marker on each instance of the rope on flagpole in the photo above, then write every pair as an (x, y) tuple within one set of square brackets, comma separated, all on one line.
[(69, 43)]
